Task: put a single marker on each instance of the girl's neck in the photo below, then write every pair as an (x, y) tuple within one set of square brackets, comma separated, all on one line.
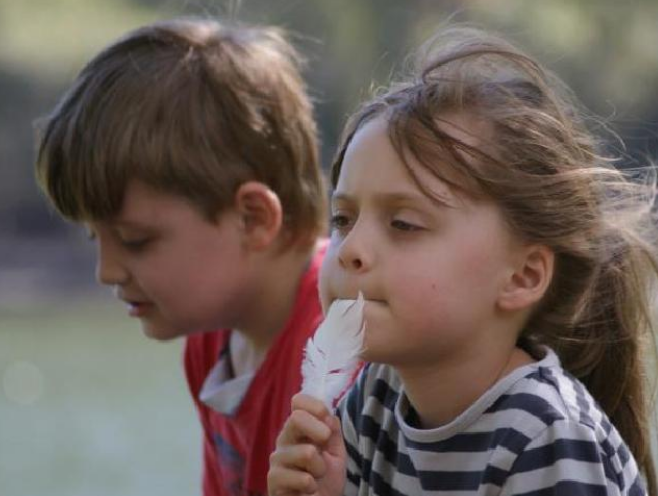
[(442, 392)]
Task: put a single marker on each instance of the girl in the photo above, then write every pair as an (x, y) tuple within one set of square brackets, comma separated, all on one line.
[(506, 268)]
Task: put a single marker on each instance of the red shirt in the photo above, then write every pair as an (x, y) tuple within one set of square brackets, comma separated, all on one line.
[(237, 447)]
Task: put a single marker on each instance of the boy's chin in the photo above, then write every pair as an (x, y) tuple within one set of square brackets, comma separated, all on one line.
[(159, 332)]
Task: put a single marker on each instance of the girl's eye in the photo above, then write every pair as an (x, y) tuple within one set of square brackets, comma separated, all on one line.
[(339, 221), (402, 225)]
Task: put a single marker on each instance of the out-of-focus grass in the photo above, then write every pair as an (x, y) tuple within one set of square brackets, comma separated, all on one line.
[(89, 406)]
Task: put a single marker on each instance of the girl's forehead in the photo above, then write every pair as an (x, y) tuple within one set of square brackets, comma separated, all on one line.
[(371, 160), (372, 166)]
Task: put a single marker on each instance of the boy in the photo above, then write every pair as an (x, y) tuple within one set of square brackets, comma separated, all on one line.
[(188, 149)]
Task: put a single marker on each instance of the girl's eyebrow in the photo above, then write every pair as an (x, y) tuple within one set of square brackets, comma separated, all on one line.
[(393, 197)]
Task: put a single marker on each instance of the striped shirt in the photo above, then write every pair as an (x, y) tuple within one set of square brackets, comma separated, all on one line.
[(535, 432)]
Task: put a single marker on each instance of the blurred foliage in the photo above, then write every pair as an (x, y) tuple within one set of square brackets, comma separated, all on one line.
[(49, 40)]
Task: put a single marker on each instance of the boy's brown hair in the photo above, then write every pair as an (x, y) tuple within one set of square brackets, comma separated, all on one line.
[(191, 107)]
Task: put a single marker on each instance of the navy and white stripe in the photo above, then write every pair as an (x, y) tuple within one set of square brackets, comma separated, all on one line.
[(536, 432)]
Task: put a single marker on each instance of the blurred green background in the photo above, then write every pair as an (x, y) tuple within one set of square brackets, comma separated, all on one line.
[(88, 406)]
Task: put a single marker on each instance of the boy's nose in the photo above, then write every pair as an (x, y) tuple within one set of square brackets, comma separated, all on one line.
[(109, 269)]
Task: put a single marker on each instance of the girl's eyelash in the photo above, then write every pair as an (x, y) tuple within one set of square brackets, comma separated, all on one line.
[(339, 221), (342, 221)]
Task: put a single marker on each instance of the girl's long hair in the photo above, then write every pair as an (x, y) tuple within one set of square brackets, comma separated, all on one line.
[(556, 187)]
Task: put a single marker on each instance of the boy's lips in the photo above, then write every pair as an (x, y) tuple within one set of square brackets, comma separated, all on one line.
[(138, 309)]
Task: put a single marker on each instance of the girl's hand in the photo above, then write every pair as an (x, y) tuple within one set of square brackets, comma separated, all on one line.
[(310, 453)]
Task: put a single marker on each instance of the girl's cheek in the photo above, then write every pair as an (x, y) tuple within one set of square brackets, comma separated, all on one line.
[(324, 284)]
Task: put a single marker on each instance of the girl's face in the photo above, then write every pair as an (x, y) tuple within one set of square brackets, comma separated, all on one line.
[(431, 273)]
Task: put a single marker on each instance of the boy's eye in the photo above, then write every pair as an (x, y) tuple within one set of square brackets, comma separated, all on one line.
[(402, 225), (135, 244)]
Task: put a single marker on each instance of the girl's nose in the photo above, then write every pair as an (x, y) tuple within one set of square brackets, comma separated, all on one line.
[(354, 253), (350, 262)]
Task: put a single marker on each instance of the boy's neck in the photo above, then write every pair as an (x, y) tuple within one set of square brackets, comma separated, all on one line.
[(275, 297), (440, 393)]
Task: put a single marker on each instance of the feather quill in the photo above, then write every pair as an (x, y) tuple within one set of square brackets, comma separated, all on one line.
[(331, 356)]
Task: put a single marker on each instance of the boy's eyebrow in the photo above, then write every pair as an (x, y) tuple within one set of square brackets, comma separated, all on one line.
[(129, 224)]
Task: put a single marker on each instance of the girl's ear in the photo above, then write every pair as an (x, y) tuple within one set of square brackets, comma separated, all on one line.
[(260, 212), (531, 279)]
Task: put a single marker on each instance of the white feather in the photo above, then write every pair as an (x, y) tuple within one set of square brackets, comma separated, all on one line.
[(332, 354)]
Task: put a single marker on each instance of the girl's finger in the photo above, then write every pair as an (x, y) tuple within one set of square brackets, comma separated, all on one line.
[(303, 427), (283, 480), (335, 444), (303, 457), (309, 404)]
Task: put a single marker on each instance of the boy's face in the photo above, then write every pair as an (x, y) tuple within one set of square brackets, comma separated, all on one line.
[(431, 273), (177, 272)]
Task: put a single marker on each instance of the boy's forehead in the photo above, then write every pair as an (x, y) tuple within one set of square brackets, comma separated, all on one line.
[(118, 222), (146, 204), (141, 195), (141, 201)]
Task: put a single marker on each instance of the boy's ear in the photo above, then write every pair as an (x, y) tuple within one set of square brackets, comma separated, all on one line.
[(260, 212), (531, 279)]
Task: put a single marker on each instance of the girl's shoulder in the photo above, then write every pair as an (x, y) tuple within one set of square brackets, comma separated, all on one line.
[(547, 392), (542, 422), (553, 394), (552, 406), (563, 431)]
